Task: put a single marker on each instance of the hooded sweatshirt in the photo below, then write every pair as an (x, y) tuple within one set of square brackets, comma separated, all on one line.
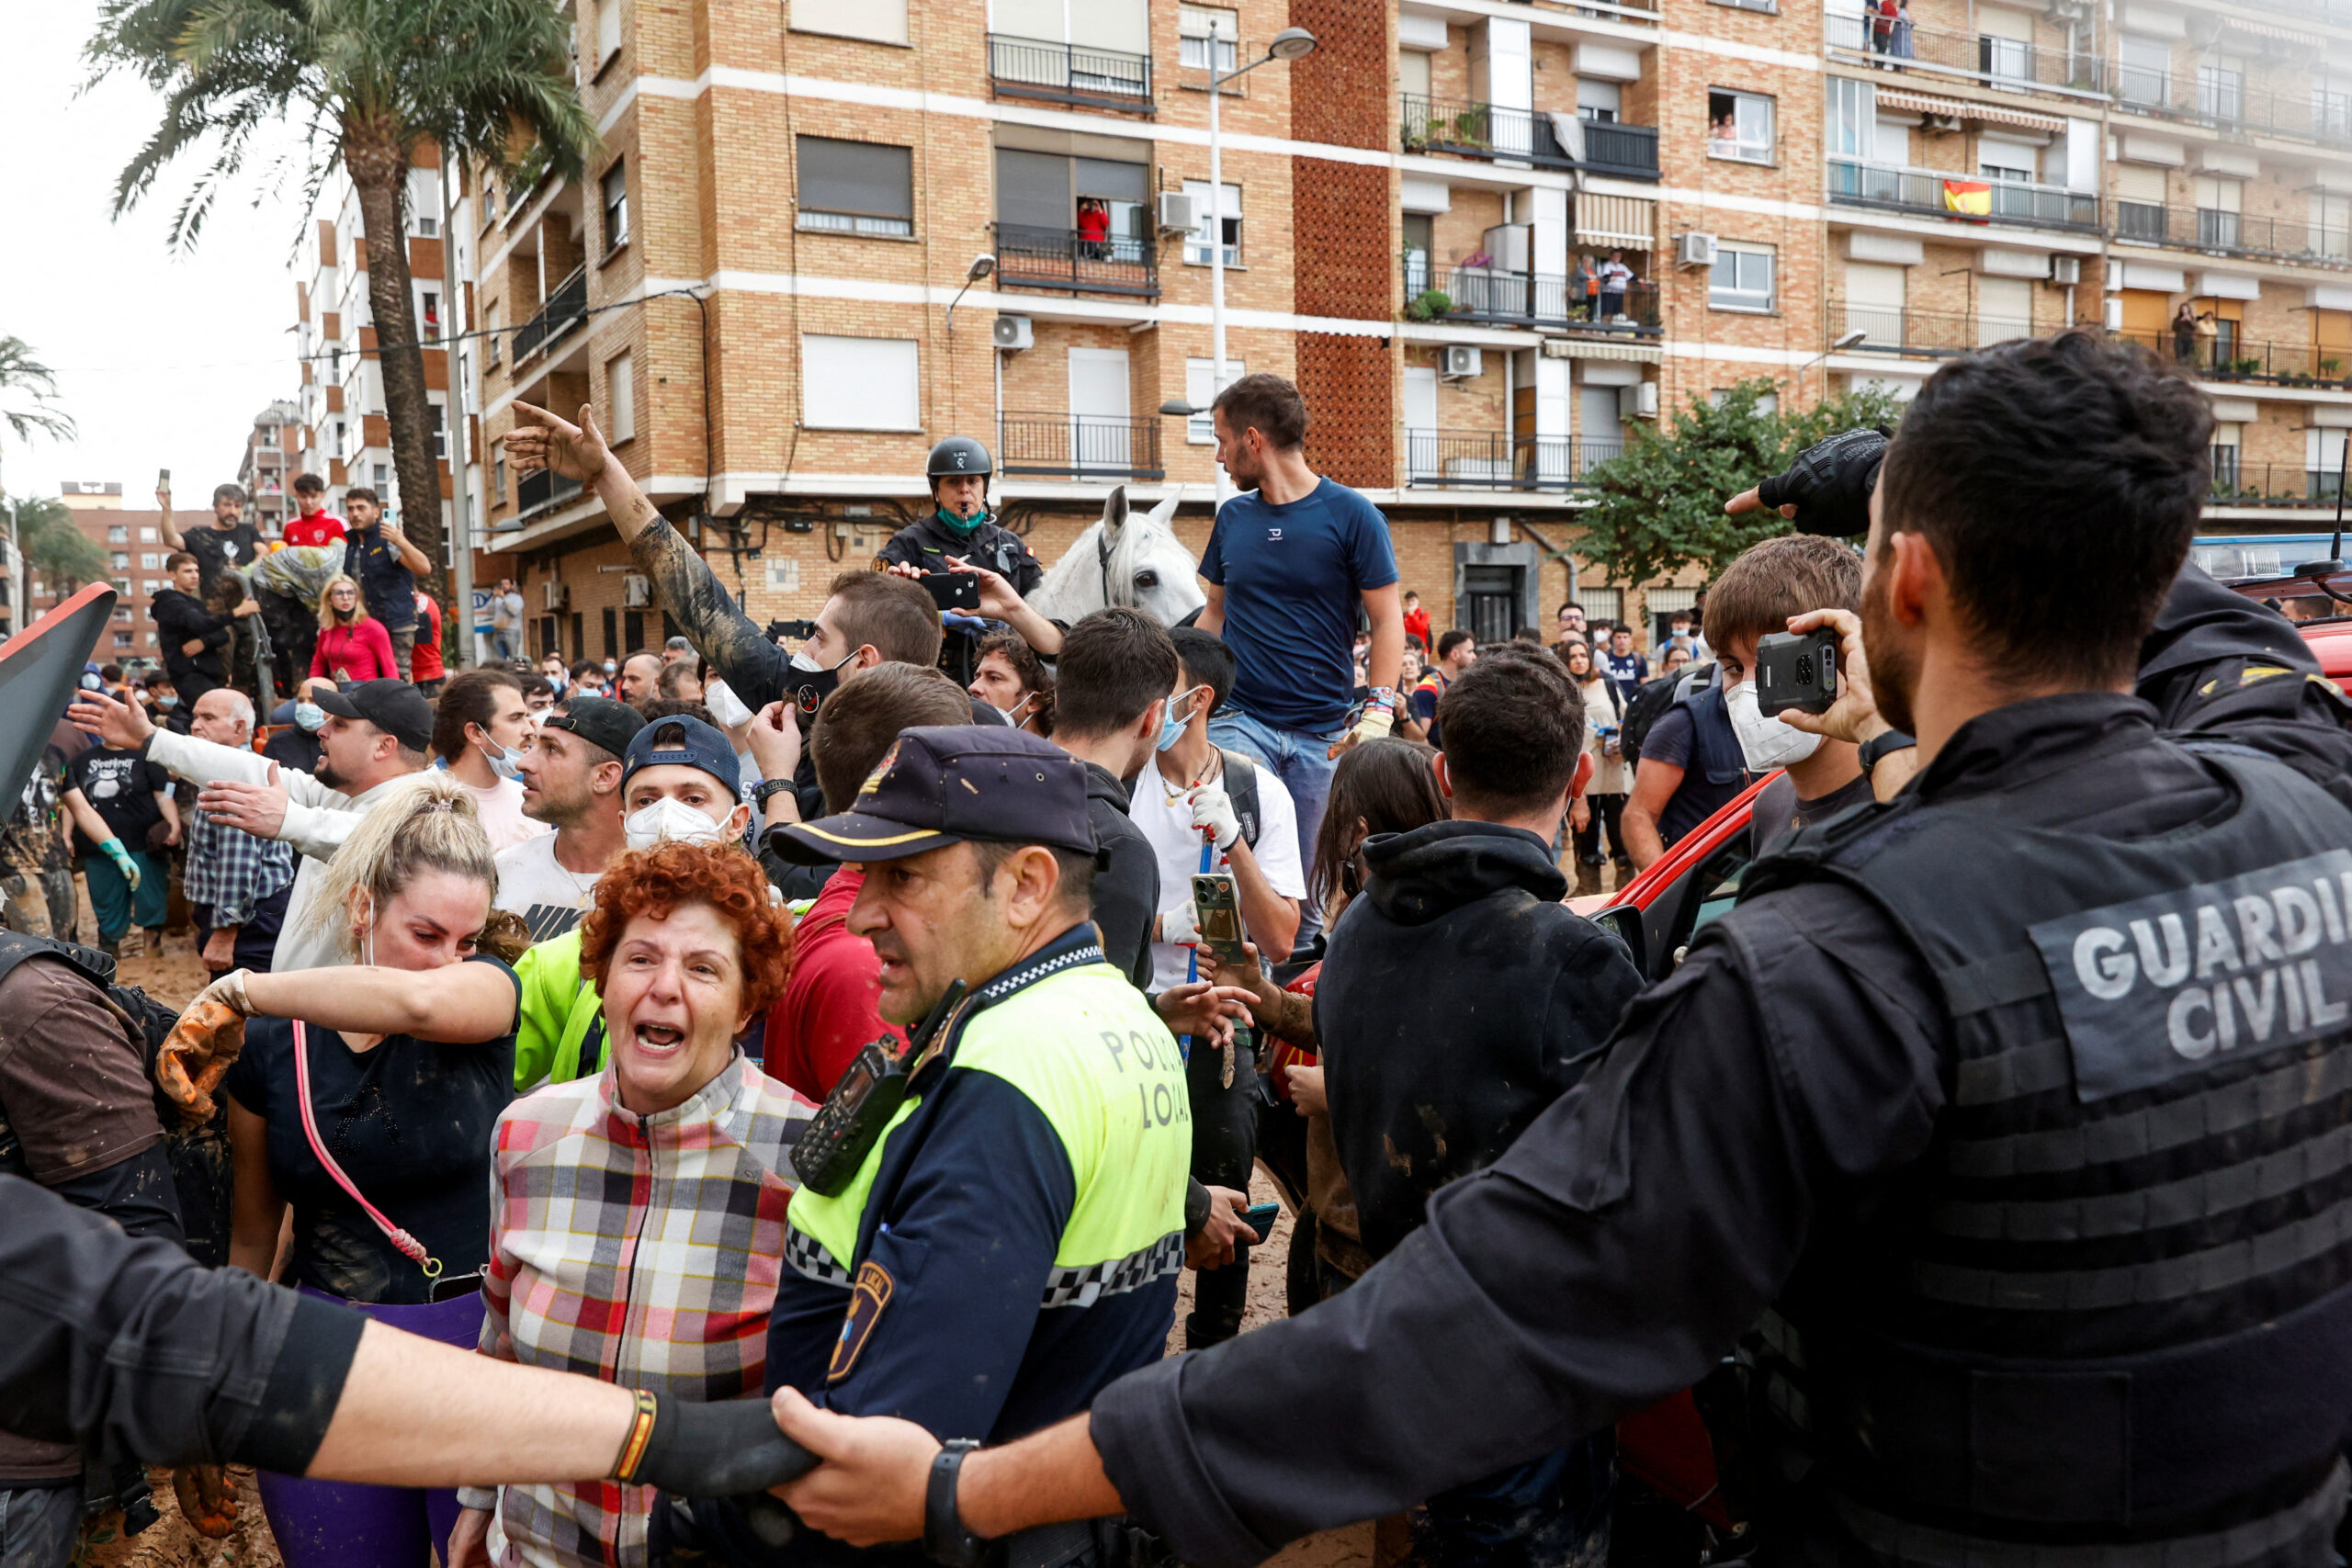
[(1509, 994), (1126, 877)]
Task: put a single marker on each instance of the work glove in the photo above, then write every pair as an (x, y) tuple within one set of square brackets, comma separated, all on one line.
[(1379, 715), (1830, 483), (1180, 926), (1213, 813), (122, 862), (227, 991)]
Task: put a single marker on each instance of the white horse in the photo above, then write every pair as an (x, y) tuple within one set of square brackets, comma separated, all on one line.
[(1125, 560)]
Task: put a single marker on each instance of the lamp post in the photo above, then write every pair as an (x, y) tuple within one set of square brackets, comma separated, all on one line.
[(1845, 342), (1291, 43)]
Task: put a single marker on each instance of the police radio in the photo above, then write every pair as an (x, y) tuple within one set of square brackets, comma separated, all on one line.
[(847, 1126)]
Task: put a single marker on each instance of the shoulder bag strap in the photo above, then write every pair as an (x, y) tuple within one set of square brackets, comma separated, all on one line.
[(410, 1248)]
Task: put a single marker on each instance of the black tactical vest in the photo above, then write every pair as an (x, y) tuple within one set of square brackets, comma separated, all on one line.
[(2106, 1320)]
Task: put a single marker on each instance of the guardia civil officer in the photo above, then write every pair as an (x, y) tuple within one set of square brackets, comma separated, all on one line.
[(1009, 1240), (2009, 1114), (960, 523)]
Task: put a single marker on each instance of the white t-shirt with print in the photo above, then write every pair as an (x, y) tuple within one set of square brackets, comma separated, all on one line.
[(533, 883), (1166, 819)]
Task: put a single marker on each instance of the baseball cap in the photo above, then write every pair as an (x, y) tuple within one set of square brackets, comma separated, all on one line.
[(940, 785), (393, 706), (600, 721), (699, 746)]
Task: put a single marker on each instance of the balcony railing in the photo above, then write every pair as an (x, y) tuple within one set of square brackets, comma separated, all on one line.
[(1435, 292), (2007, 63), (1080, 446), (2219, 100), (1491, 130), (1069, 74), (1898, 329), (2233, 234), (1945, 194), (1065, 260), (538, 492), (2228, 357), (1499, 460), (565, 308), (2270, 484)]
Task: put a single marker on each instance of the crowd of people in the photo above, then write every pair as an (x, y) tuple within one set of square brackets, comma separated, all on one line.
[(807, 1022)]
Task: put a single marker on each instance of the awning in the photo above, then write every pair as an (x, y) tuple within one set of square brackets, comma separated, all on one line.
[(1587, 348), (1629, 221), (1964, 108), (2273, 30)]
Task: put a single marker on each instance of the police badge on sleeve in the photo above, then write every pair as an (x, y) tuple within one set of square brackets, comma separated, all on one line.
[(2176, 982)]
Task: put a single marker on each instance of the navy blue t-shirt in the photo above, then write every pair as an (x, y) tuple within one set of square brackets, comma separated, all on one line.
[(1293, 577)]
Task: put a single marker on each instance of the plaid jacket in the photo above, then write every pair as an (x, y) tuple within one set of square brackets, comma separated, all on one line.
[(641, 1250), (231, 870)]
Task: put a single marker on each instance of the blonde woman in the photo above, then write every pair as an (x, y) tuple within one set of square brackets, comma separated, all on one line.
[(372, 1119), (353, 644), (1604, 798)]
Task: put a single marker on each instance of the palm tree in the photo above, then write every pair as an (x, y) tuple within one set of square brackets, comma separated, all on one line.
[(28, 405), (375, 83), (63, 556)]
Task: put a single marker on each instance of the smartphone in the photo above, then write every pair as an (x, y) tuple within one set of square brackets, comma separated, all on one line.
[(957, 591), (164, 480), (1220, 916), (1260, 1218), (1796, 670)]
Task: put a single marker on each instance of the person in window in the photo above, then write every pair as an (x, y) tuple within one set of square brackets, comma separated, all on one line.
[(1094, 228), (1722, 137), (353, 644), (377, 1112)]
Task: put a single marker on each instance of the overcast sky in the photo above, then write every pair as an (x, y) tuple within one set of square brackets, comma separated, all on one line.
[(162, 359)]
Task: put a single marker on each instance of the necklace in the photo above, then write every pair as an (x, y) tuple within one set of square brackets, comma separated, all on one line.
[(1215, 770)]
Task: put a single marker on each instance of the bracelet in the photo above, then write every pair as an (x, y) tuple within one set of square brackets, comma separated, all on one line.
[(640, 1433), (944, 1540), (1873, 750)]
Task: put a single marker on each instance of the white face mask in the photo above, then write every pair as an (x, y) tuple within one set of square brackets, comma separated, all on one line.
[(1765, 742), (667, 818), (726, 708)]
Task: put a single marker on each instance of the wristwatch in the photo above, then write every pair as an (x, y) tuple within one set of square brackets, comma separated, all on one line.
[(767, 787), (1877, 746), (944, 1540)]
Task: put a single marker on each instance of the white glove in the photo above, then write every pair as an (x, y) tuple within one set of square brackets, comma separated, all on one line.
[(229, 990), (1180, 926), (1213, 809)]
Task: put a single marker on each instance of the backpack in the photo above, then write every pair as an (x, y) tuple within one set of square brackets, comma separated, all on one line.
[(1650, 703)]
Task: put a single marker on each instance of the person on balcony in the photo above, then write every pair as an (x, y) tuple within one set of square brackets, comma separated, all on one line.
[(2184, 332), (1584, 287), (1094, 228), (1615, 277)]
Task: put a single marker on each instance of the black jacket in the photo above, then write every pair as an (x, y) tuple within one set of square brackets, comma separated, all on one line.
[(1126, 877), (1433, 1080), (925, 544), (180, 618)]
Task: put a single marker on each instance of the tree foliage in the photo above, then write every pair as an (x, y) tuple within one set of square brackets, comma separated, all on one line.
[(54, 549), (29, 394), (1660, 503)]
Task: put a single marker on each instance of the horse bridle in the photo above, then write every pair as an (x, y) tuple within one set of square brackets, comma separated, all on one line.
[(1102, 559)]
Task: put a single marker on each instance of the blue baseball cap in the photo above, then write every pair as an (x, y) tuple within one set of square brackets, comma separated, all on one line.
[(696, 745), (940, 785)]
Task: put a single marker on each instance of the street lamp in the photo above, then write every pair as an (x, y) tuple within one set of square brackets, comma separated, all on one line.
[(1844, 341), (1291, 43), (982, 266)]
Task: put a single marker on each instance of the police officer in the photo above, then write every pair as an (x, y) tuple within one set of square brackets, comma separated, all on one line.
[(2007, 1115), (1010, 1242), (960, 523)]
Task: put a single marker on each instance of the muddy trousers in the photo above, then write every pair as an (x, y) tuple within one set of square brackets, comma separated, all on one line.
[(342, 1524), (1225, 1146)]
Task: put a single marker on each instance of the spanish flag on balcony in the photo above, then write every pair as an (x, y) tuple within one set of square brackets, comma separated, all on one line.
[(1972, 199)]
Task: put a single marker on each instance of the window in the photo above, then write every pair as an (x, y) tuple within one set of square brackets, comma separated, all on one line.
[(2226, 441), (1600, 603), (615, 189), (1852, 118), (122, 639), (382, 478), (2005, 161), (1602, 102), (2138, 202), (620, 397), (2004, 45), (856, 187), (2004, 309), (1207, 37), (608, 31), (119, 535), (153, 561), (1200, 391), (122, 614), (1739, 126), (122, 586), (2220, 90), (859, 383), (1413, 72), (879, 21), (2219, 201), (2144, 73), (498, 477), (1420, 238), (146, 536), (1742, 278), (2323, 459), (152, 586), (490, 334), (427, 226), (1224, 222), (440, 430), (431, 314), (2332, 224)]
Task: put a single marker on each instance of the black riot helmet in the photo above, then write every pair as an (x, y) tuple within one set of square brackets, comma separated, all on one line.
[(956, 456)]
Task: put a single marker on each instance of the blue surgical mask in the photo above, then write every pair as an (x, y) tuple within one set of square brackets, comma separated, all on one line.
[(505, 762), (310, 716), (1171, 727), (90, 682), (167, 702)]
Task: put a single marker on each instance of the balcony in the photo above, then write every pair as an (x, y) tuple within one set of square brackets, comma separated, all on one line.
[(2270, 484), (2233, 234), (1498, 460), (2229, 358), (1490, 130), (1941, 194), (1069, 74), (1898, 329), (2006, 64), (1078, 447), (542, 491), (1491, 296), (1070, 262), (2219, 100), (565, 309)]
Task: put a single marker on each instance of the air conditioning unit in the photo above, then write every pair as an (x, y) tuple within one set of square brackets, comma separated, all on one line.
[(1638, 400), (1694, 247), (555, 595), (637, 590), (1179, 212), (1012, 333), (1462, 361), (2065, 269)]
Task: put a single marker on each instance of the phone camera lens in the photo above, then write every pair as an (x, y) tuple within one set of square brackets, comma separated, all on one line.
[(1804, 669)]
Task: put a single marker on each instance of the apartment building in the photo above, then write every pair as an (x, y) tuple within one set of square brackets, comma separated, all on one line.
[(135, 550), (275, 440), (1486, 237)]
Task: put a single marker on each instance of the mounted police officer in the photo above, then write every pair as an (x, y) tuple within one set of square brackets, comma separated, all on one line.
[(2005, 1122), (960, 523)]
